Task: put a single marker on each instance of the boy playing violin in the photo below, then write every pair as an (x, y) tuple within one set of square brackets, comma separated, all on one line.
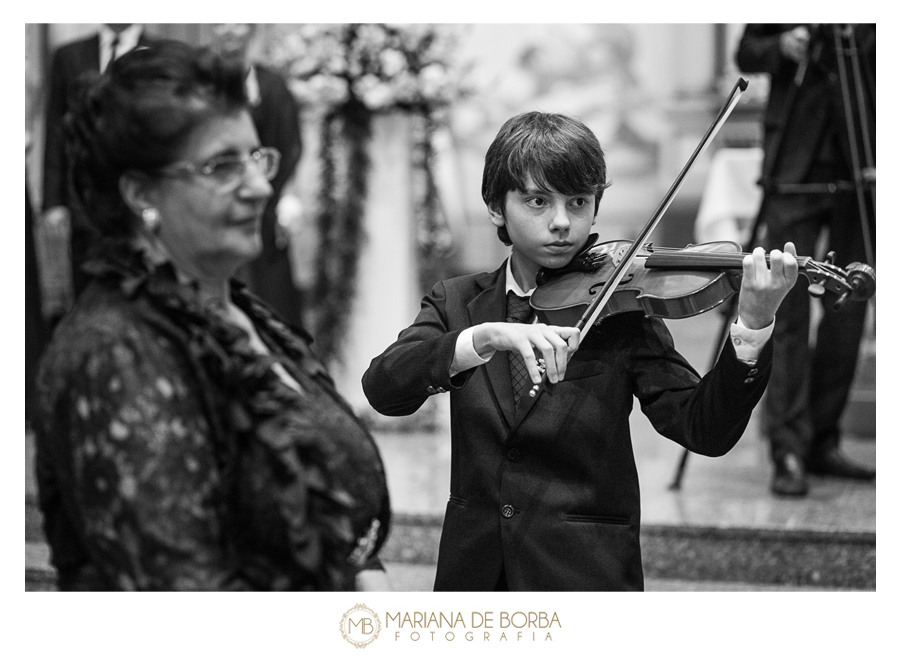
[(544, 490)]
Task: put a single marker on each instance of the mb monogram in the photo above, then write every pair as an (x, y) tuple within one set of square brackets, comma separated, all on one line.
[(360, 626)]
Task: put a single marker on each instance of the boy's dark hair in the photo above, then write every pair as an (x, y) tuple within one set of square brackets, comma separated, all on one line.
[(136, 116), (555, 150)]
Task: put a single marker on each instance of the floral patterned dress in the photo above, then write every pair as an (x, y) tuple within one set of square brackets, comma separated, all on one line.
[(170, 455)]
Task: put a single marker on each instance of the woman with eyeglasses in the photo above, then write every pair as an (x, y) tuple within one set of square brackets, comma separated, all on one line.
[(187, 438)]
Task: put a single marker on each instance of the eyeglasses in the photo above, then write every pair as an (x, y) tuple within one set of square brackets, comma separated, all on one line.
[(229, 170)]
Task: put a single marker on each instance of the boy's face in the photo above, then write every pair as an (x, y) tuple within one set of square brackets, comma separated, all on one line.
[(547, 228)]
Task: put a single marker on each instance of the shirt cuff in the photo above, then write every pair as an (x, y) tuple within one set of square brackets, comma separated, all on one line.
[(749, 342), (465, 356)]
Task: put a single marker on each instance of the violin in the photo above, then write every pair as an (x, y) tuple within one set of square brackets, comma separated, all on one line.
[(619, 276), (673, 283)]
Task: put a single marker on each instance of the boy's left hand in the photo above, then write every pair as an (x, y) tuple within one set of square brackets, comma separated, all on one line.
[(763, 286)]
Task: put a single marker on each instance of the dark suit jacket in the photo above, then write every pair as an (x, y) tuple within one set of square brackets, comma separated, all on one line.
[(35, 329), (70, 62), (277, 121), (802, 121), (550, 494)]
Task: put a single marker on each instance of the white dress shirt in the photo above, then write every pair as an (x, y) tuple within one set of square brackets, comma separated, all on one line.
[(128, 40)]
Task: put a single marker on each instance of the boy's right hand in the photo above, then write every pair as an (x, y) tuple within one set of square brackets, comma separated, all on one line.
[(555, 344)]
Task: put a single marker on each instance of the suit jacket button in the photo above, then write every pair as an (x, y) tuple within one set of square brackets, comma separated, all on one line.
[(507, 511), (513, 454), (749, 380), (431, 389), (752, 371)]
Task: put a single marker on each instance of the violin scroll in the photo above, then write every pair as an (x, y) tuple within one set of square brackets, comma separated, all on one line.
[(860, 283), (855, 283)]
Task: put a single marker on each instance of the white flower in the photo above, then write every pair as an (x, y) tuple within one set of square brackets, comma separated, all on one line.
[(336, 63), (330, 89), (392, 62), (412, 34), (371, 37), (320, 89), (303, 67), (433, 81), (375, 93), (406, 89)]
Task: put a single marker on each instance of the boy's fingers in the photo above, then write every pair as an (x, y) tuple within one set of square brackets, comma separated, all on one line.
[(544, 348), (572, 336), (555, 353), (776, 263), (791, 266), (748, 265), (759, 261)]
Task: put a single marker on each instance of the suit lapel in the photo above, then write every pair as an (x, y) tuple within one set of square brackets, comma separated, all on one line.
[(91, 54), (490, 306)]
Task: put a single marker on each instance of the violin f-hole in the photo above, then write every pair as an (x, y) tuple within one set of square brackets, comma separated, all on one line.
[(625, 279)]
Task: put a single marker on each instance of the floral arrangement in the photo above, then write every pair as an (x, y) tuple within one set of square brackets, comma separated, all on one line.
[(342, 75), (382, 66)]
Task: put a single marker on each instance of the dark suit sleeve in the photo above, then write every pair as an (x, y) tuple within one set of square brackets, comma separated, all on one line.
[(54, 183), (417, 365), (706, 416), (278, 122), (759, 50)]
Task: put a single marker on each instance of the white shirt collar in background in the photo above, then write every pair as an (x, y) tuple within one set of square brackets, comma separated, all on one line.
[(128, 39)]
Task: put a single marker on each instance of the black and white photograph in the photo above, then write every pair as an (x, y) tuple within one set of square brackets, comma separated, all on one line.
[(451, 333)]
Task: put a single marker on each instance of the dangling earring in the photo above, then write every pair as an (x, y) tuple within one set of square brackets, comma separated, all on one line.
[(150, 216)]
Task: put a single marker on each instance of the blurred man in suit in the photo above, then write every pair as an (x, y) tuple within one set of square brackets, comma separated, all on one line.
[(808, 186), (70, 62)]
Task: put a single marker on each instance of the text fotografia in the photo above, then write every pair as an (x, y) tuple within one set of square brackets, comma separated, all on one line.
[(478, 626)]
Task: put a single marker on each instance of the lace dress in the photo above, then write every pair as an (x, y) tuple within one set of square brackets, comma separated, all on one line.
[(170, 455)]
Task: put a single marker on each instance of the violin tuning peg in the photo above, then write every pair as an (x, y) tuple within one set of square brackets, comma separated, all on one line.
[(861, 278), (829, 258), (816, 290)]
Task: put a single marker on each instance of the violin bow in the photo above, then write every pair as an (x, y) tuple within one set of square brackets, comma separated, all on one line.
[(596, 306)]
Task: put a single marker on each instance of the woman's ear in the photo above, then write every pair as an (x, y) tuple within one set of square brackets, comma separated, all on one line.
[(138, 191), (496, 215)]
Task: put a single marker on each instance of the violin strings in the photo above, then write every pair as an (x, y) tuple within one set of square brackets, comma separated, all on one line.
[(803, 261)]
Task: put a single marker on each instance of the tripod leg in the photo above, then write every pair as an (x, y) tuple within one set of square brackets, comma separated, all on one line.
[(679, 472), (727, 320), (862, 104), (851, 121)]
